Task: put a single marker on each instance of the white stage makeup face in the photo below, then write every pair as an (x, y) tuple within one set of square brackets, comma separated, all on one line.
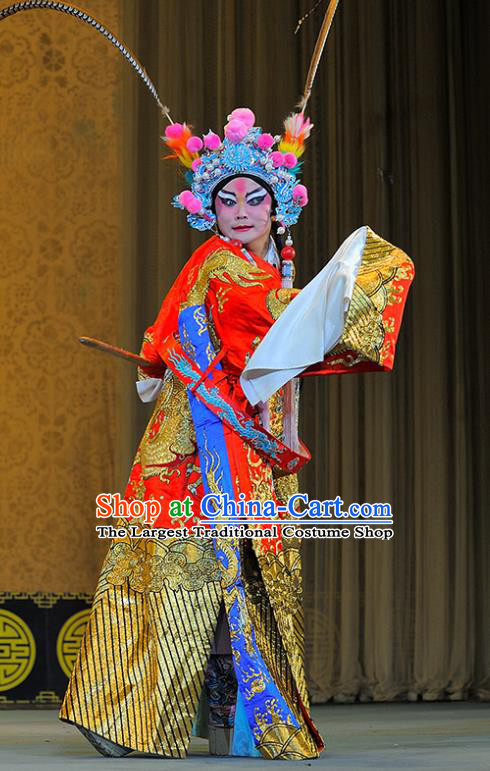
[(243, 211)]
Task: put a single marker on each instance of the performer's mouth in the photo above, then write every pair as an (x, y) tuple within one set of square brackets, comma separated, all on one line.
[(243, 227)]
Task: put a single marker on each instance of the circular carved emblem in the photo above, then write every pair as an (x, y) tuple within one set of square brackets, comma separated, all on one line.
[(69, 640), (17, 650)]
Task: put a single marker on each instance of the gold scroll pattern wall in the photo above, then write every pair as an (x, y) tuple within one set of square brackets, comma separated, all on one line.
[(60, 214)]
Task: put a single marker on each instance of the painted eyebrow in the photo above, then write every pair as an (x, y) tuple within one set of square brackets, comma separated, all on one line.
[(247, 195), (257, 190), (226, 192)]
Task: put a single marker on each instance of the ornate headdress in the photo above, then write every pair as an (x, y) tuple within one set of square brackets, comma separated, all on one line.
[(245, 150)]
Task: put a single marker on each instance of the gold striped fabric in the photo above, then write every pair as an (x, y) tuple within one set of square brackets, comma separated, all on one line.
[(140, 669)]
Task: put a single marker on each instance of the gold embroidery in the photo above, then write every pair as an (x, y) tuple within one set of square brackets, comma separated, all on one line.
[(166, 572), (282, 741), (260, 476), (226, 267), (148, 564), (221, 297), (276, 412), (138, 486), (281, 575), (389, 324), (364, 331), (386, 350), (277, 301), (200, 320), (349, 360), (257, 682), (405, 272), (170, 432), (213, 466), (148, 338), (229, 572), (395, 294), (216, 343), (187, 344), (253, 346)]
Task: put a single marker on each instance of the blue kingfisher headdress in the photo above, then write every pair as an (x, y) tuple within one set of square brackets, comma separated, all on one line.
[(245, 149)]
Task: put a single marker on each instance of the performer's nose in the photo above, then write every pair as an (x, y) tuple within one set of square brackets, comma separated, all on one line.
[(241, 212)]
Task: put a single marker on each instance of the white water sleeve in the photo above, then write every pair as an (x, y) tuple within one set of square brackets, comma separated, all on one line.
[(309, 327), (149, 388)]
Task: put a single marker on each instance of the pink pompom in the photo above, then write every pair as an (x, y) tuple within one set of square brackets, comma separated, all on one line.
[(212, 141), (264, 141), (235, 130), (244, 114), (185, 197), (196, 163), (194, 144), (300, 195), (174, 131), (290, 160), (277, 158), (194, 206)]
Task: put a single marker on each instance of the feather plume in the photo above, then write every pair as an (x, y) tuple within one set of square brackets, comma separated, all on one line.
[(297, 128), (178, 145)]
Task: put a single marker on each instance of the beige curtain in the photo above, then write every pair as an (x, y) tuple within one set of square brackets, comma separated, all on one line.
[(398, 112)]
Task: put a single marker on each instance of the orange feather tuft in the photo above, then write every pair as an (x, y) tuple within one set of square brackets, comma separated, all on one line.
[(297, 128), (178, 146)]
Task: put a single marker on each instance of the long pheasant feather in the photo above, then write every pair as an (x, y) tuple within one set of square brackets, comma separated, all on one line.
[(79, 13), (317, 53)]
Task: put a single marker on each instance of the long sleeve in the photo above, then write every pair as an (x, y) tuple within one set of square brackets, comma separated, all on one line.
[(156, 367), (347, 319), (309, 327)]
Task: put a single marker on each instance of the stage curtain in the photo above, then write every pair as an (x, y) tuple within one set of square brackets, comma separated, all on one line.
[(399, 111)]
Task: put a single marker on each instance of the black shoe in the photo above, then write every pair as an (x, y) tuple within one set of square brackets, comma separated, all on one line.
[(103, 745)]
